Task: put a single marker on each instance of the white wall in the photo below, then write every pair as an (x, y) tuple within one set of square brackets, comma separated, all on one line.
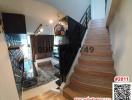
[(121, 38), (72, 8), (98, 9), (7, 83)]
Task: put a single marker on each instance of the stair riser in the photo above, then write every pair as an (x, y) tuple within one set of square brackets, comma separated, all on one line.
[(95, 78), (80, 65), (85, 87), (97, 48), (98, 33), (96, 28), (104, 33), (100, 63), (97, 44), (99, 37), (99, 40), (97, 54), (106, 38), (100, 80), (100, 59), (106, 76)]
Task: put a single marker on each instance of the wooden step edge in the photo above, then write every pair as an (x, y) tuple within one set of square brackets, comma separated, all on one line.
[(94, 44), (93, 38), (95, 59), (99, 66), (96, 81), (97, 46), (98, 40), (106, 44), (98, 35), (91, 87), (103, 52), (106, 77), (86, 79), (95, 72), (92, 55), (83, 83), (93, 63), (95, 54), (71, 93)]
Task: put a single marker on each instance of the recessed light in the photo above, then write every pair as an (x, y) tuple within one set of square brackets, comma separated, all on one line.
[(41, 29), (51, 21)]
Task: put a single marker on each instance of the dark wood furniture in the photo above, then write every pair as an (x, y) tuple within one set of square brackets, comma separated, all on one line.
[(42, 46)]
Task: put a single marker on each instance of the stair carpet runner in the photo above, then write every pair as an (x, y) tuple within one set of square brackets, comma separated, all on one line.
[(94, 73)]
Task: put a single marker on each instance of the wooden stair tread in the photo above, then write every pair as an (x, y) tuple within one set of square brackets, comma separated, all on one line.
[(95, 58), (73, 93), (95, 62), (92, 82), (95, 69), (94, 79), (92, 73), (102, 53), (93, 76), (97, 40), (91, 86), (94, 44)]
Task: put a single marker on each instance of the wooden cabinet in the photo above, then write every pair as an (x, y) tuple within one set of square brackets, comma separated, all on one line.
[(42, 46)]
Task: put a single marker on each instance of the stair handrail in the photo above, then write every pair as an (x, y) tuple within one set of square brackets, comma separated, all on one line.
[(86, 17)]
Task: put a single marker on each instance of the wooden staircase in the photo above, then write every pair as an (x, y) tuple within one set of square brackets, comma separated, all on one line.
[(94, 73)]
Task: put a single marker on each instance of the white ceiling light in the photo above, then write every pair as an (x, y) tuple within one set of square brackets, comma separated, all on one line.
[(51, 21), (41, 29)]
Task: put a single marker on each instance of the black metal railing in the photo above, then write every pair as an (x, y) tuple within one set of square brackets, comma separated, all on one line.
[(86, 17), (84, 21)]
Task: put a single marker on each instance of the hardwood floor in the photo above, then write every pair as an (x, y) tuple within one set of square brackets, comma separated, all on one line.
[(50, 95)]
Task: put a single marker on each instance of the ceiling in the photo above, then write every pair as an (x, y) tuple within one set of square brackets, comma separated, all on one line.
[(73, 8), (41, 11)]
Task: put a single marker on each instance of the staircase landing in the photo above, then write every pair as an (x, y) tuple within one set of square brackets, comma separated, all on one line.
[(49, 95), (94, 73)]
